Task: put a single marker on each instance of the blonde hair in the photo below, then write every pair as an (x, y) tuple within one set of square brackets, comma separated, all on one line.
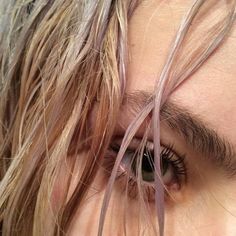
[(59, 60)]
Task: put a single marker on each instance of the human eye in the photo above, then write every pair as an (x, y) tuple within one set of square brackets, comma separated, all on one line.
[(135, 161)]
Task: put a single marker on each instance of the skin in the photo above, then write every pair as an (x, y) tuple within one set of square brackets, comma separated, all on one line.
[(206, 204)]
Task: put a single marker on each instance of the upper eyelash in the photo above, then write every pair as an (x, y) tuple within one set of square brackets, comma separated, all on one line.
[(179, 163), (148, 190)]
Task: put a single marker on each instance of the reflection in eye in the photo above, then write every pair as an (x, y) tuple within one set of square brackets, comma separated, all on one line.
[(173, 167)]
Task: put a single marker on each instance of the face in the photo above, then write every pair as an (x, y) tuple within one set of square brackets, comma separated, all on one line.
[(197, 135)]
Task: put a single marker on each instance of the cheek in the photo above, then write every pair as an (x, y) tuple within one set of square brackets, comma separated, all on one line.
[(120, 210), (205, 214), (58, 190), (67, 179), (86, 219)]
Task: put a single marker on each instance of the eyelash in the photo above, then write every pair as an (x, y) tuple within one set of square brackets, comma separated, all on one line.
[(128, 179), (178, 164)]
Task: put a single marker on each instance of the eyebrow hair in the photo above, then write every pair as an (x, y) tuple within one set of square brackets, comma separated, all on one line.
[(197, 133)]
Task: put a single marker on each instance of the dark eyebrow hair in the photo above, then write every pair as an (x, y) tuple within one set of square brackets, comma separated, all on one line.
[(197, 133)]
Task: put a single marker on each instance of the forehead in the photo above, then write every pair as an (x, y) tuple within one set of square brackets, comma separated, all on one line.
[(210, 92)]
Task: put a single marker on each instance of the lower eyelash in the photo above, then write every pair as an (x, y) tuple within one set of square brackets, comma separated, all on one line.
[(127, 183), (148, 192)]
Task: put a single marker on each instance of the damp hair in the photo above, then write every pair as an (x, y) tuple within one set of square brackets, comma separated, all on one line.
[(58, 61)]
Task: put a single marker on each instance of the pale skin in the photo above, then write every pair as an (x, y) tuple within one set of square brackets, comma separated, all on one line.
[(206, 204)]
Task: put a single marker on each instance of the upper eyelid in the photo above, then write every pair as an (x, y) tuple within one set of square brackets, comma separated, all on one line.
[(171, 146)]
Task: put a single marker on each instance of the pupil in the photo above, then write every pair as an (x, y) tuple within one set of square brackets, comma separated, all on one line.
[(147, 162), (148, 166)]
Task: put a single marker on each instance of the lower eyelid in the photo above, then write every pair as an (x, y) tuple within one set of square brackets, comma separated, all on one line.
[(124, 178)]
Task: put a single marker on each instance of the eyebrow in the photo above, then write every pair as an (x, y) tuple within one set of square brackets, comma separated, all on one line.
[(196, 132)]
